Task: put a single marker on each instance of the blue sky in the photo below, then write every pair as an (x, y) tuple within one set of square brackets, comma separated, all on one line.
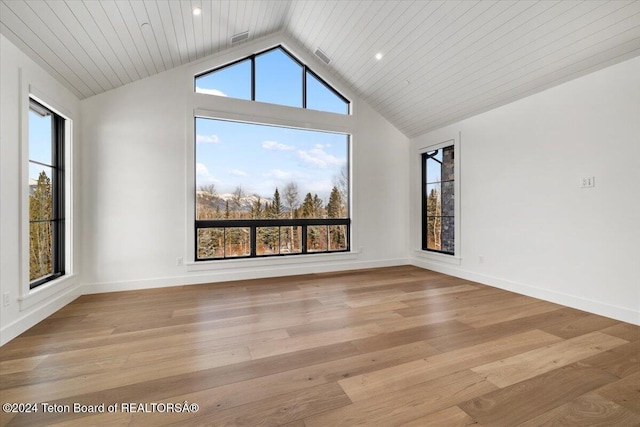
[(39, 144), (260, 158)]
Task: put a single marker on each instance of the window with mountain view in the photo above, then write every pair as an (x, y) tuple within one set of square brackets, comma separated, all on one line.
[(46, 195), (438, 201), (274, 76), (268, 190)]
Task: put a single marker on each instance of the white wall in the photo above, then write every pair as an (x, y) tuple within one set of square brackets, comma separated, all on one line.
[(18, 75), (522, 209), (135, 190)]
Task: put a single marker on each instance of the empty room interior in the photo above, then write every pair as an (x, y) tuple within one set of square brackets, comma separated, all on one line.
[(319, 213)]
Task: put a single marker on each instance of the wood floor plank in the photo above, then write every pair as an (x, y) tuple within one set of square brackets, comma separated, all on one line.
[(528, 399), (625, 331), (535, 362), (275, 411), (20, 365), (484, 334), (87, 383), (398, 377), (450, 417), (362, 302), (416, 402), (575, 327), (405, 336), (374, 347), (587, 410), (620, 361), (624, 392), (255, 389), (289, 345)]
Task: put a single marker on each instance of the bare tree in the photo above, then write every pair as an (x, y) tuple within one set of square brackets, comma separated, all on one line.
[(341, 182), (236, 201), (292, 199)]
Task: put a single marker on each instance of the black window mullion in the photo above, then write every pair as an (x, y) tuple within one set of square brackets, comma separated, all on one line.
[(304, 86)]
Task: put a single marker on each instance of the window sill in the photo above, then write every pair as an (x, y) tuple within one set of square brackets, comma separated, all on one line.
[(230, 264), (45, 291), (432, 256)]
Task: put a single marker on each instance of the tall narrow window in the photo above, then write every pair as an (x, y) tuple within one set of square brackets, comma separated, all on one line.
[(438, 201), (46, 195)]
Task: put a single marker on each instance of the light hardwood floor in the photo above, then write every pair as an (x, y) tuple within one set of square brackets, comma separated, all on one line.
[(390, 346)]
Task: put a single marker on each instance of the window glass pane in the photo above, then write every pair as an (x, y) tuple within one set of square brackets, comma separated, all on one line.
[(210, 243), (246, 171), (268, 241), (40, 192), (434, 200), (320, 97), (434, 233), (337, 237), (290, 240), (317, 238), (40, 138), (40, 250), (433, 165), (439, 193), (237, 242), (233, 81), (278, 79)]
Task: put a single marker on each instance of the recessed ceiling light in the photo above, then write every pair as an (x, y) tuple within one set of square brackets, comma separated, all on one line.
[(197, 11), (379, 56)]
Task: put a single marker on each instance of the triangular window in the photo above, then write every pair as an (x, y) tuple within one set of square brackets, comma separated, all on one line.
[(274, 76)]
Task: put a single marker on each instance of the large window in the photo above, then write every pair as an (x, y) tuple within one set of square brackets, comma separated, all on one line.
[(269, 190), (274, 76), (46, 195), (438, 200)]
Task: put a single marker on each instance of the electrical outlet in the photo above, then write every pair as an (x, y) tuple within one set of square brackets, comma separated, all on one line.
[(587, 182), (179, 260), (481, 259), (6, 299)]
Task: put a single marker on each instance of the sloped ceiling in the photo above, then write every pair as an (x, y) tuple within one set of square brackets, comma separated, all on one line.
[(442, 60)]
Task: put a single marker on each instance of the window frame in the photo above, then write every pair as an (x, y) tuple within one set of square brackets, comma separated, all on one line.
[(226, 108), (304, 69), (425, 211), (58, 127), (253, 224), (420, 206)]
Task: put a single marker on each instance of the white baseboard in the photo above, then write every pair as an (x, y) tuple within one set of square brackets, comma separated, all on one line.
[(623, 314), (28, 320), (240, 274)]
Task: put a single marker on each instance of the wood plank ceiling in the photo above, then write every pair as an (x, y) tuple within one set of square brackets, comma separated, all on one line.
[(442, 60)]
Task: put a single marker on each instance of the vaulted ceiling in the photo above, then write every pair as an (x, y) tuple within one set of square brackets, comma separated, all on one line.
[(442, 61)]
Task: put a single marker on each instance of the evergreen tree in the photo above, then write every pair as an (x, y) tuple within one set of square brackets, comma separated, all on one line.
[(276, 205), (256, 208), (308, 208), (334, 205), (318, 206)]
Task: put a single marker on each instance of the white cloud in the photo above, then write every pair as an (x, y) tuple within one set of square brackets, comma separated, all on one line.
[(276, 146), (215, 92), (279, 174), (201, 170), (238, 172), (207, 139), (318, 157)]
